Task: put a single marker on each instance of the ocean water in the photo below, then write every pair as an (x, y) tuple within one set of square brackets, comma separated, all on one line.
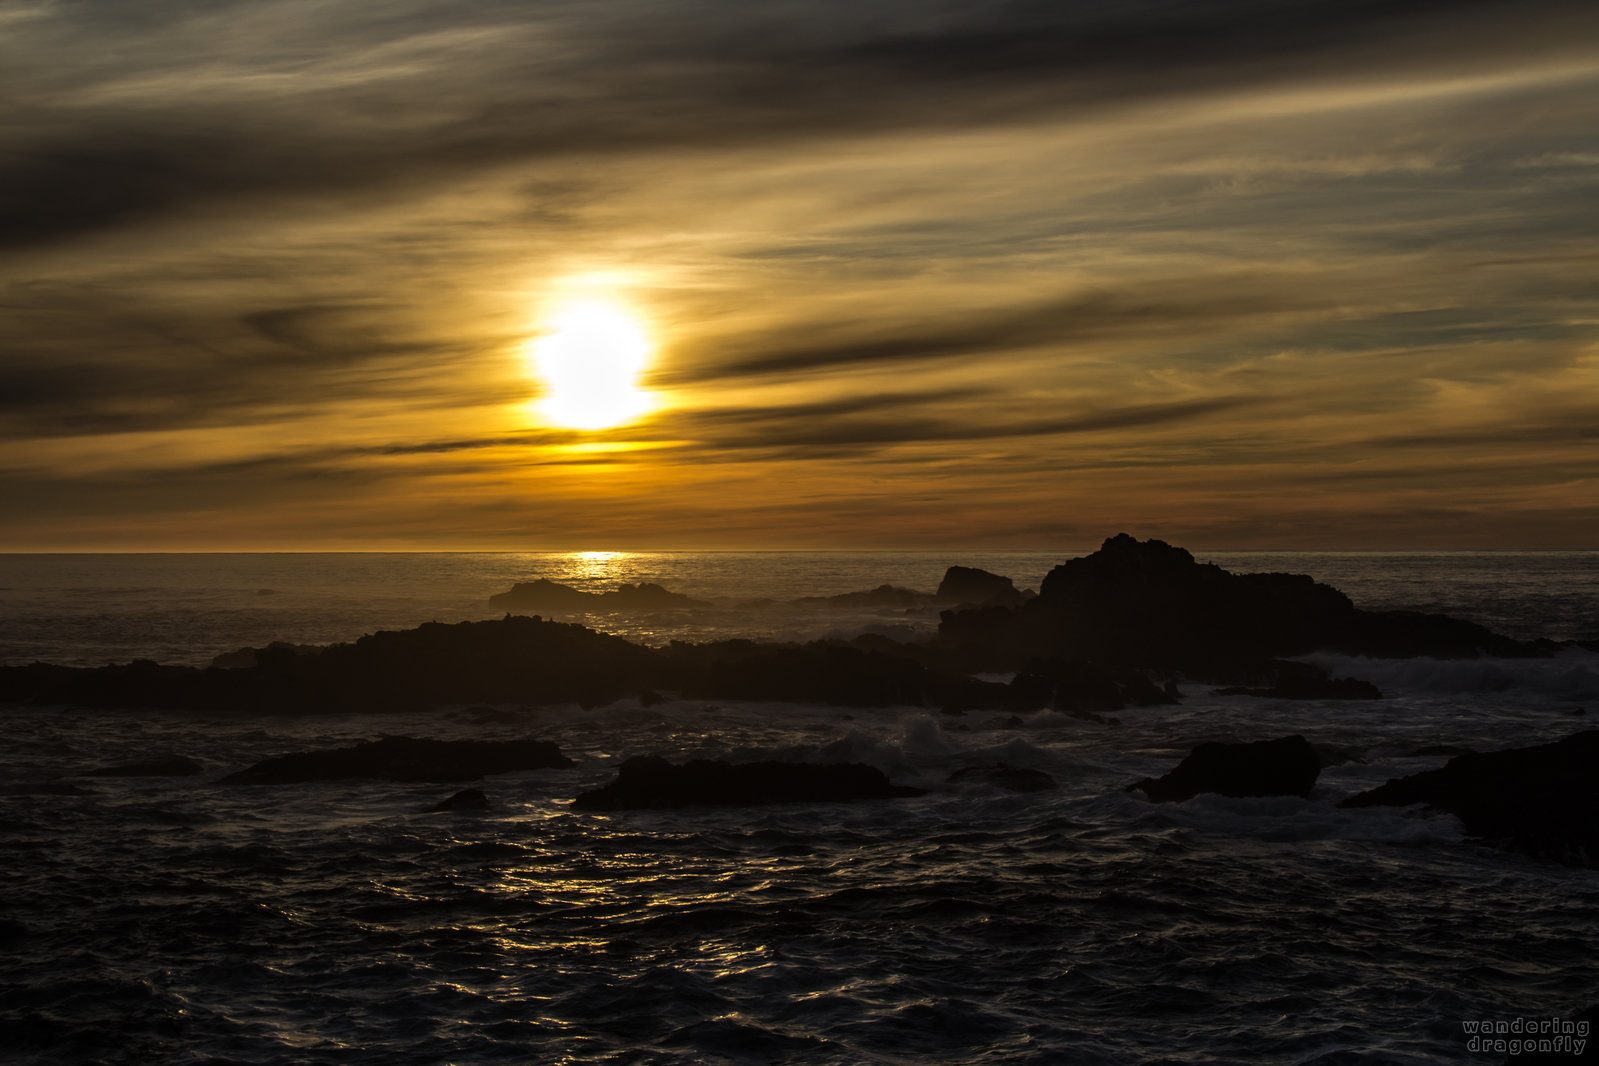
[(181, 921)]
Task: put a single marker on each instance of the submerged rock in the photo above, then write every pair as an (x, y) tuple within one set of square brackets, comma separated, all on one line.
[(1287, 766), (405, 759), (468, 799), (1542, 800), (650, 782), (168, 766), (999, 775)]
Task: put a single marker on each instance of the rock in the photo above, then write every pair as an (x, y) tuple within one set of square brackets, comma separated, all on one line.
[(405, 759), (1450, 750), (1149, 604), (881, 596), (1306, 681), (468, 799), (517, 660), (645, 596), (966, 584), (819, 672), (245, 658), (545, 595), (1287, 766), (1541, 800), (168, 766), (999, 775), (649, 782)]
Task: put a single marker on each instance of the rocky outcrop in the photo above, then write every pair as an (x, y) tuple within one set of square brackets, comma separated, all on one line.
[(1147, 603), (405, 759), (1542, 800), (967, 584), (545, 595), (166, 766), (649, 782), (886, 596), (468, 799), (1287, 766), (244, 658), (999, 775), (516, 660), (1305, 681)]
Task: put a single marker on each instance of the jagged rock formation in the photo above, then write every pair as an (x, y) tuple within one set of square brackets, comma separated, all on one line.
[(405, 759), (545, 595), (166, 766), (1146, 603), (887, 596), (1287, 766), (967, 584), (1010, 778), (1542, 800)]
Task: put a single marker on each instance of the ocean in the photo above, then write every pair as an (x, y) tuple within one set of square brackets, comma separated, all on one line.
[(177, 920)]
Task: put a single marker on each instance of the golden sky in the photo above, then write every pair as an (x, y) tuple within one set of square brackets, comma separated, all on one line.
[(276, 274)]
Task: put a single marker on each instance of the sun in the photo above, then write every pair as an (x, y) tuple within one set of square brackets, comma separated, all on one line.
[(590, 358)]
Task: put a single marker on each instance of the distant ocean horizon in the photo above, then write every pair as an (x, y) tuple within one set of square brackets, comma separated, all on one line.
[(90, 608)]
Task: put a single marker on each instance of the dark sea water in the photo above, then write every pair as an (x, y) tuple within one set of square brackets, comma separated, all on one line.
[(182, 921)]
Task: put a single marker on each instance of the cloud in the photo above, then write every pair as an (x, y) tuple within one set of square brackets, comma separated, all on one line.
[(327, 104)]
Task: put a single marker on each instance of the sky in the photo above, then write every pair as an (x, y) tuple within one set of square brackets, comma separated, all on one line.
[(280, 274)]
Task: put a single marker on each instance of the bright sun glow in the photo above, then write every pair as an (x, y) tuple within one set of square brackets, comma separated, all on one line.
[(590, 360)]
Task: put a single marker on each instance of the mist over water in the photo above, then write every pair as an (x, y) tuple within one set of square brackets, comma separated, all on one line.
[(180, 920)]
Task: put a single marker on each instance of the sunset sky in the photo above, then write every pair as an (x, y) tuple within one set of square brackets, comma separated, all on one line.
[(278, 274)]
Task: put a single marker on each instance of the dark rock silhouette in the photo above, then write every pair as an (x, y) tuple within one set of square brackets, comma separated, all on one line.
[(168, 766), (245, 658), (647, 596), (468, 799), (1542, 800), (839, 674), (967, 584), (1108, 631), (881, 596), (1450, 750), (1147, 603), (516, 660), (646, 782), (545, 595), (1013, 778), (1305, 681), (1287, 766), (405, 759)]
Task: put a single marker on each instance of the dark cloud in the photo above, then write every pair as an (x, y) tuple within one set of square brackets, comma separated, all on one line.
[(828, 435), (1155, 308), (547, 83)]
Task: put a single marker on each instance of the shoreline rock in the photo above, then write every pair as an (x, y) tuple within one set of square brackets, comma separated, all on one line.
[(1542, 800), (1287, 766), (405, 759)]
